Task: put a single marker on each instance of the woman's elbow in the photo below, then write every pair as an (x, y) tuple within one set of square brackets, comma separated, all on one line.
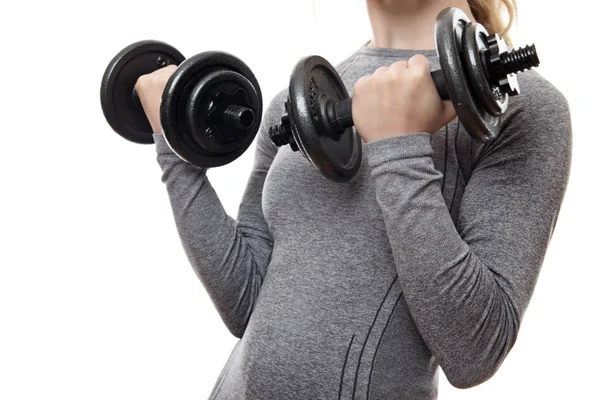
[(465, 378), (476, 367), (237, 331)]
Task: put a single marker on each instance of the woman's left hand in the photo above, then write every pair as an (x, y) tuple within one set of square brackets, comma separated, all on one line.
[(399, 100)]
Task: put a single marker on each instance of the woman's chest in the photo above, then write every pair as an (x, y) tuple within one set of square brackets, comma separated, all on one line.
[(296, 195)]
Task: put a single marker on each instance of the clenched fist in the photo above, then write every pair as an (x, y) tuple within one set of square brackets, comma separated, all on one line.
[(399, 100), (150, 88)]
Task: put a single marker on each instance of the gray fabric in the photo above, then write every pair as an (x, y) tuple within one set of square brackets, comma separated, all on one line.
[(428, 257)]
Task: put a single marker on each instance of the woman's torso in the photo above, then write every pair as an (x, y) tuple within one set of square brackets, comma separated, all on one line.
[(330, 321)]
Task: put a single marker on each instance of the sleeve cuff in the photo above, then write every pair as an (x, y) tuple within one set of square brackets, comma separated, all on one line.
[(161, 144), (415, 145)]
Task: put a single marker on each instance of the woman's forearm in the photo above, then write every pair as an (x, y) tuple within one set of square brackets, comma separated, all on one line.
[(229, 256), (468, 285)]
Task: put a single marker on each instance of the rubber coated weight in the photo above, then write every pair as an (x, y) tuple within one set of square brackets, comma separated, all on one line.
[(315, 82), (211, 109), (217, 97), (121, 109), (488, 95), (451, 36)]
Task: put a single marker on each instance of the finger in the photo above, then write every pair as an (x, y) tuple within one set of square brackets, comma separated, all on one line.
[(169, 68), (402, 64), (419, 61), (419, 65), (399, 67), (361, 83), (380, 71)]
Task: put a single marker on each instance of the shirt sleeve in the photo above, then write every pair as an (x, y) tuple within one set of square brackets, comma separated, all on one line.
[(468, 286), (229, 256)]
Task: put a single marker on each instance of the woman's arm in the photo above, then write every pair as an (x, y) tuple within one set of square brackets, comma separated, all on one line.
[(230, 257), (468, 286)]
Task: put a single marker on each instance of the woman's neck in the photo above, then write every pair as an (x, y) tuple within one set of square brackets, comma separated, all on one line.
[(407, 24)]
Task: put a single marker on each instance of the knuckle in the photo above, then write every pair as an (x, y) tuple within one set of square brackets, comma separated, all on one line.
[(362, 82), (359, 86), (380, 71), (142, 82), (399, 71), (421, 72), (160, 79), (384, 76), (399, 63), (419, 64), (420, 58), (168, 70)]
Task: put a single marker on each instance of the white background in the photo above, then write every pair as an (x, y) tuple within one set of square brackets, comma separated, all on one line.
[(97, 299)]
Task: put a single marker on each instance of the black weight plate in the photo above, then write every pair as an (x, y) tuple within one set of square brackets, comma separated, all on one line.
[(206, 111), (449, 29), (175, 101), (488, 94), (338, 157), (124, 115)]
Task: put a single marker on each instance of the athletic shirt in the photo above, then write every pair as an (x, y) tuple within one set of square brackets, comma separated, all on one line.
[(427, 258)]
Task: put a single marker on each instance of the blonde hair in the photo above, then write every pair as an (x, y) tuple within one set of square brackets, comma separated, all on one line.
[(489, 14)]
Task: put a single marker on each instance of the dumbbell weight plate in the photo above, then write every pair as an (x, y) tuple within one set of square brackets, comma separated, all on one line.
[(188, 102), (488, 95), (122, 112), (450, 42), (338, 157)]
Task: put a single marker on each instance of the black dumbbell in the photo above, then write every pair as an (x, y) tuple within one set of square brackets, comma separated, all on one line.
[(210, 109), (478, 74)]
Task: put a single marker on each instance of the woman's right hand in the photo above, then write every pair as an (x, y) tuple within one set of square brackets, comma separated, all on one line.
[(150, 88)]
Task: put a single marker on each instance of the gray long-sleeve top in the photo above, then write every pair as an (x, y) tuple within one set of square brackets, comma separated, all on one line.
[(428, 257)]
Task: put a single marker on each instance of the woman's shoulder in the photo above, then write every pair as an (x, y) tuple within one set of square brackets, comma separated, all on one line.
[(539, 117), (538, 95), (539, 101)]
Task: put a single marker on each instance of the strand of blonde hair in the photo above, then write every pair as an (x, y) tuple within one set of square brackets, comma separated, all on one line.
[(489, 14)]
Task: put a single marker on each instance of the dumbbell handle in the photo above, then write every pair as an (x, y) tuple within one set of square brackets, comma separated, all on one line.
[(340, 113)]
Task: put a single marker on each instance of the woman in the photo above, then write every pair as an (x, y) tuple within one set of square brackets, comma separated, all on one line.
[(427, 258)]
